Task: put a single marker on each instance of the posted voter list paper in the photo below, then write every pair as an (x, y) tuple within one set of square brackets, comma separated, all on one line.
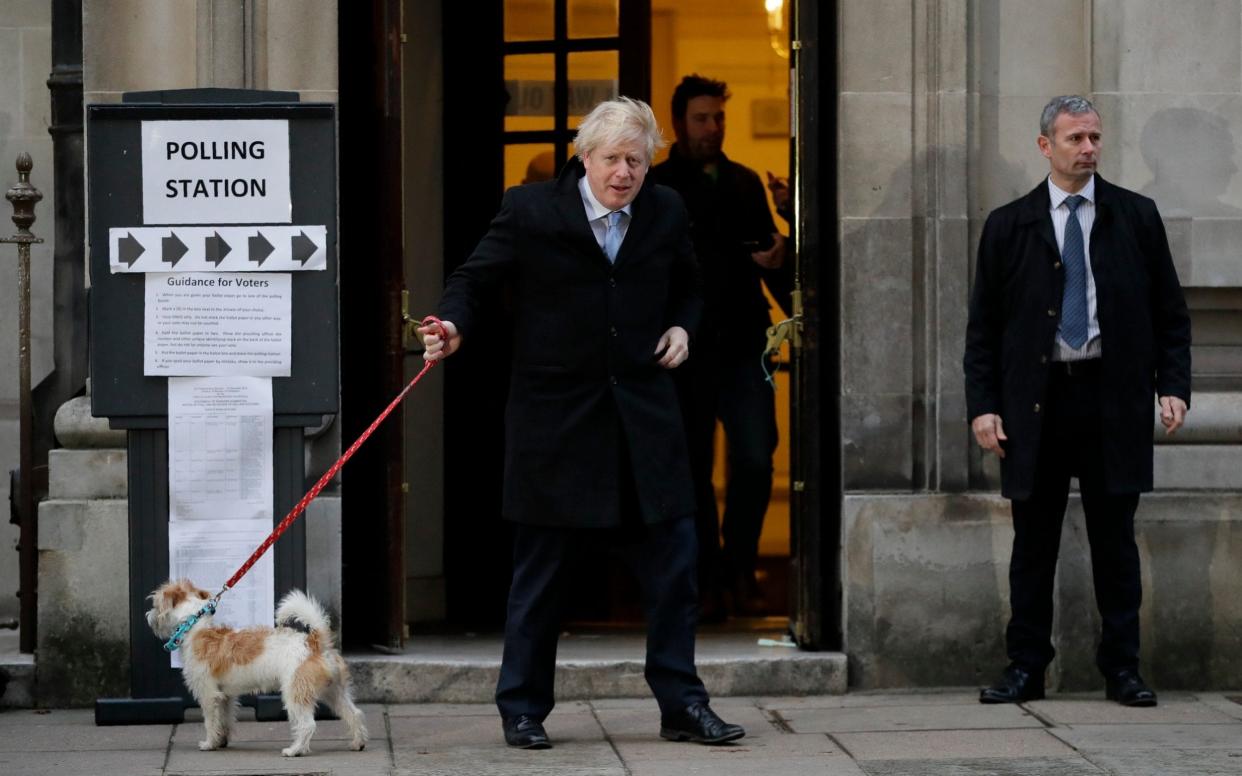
[(208, 552), (220, 490), (220, 448)]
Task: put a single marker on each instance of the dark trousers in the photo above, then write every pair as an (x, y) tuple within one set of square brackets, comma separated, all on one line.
[(1071, 445), (661, 556), (734, 390)]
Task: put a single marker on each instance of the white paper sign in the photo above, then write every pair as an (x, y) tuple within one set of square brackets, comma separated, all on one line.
[(220, 448), (217, 324), (216, 172), (208, 552)]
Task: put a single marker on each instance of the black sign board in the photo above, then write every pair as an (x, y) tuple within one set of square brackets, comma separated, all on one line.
[(119, 390)]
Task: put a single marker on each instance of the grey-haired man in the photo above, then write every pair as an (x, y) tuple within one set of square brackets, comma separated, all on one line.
[(604, 281), (1077, 326)]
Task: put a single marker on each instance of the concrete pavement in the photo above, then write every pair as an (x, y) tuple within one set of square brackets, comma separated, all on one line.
[(865, 734)]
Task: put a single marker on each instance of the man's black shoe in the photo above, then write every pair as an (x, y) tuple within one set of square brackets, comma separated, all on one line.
[(526, 732), (698, 723), (1128, 689), (1015, 686)]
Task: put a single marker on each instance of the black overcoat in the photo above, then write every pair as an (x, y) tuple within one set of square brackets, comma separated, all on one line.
[(585, 386), (1014, 309)]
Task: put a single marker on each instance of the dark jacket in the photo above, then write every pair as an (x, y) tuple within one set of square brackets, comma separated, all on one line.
[(1016, 304), (585, 386), (725, 213)]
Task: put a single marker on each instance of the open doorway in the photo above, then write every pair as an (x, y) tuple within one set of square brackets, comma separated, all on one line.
[(557, 59), (745, 44)]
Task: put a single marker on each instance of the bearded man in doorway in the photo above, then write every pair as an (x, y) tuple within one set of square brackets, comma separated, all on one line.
[(739, 251), (604, 281), (1077, 327)]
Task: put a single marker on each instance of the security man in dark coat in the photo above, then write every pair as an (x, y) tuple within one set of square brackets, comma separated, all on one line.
[(604, 281), (1077, 324)]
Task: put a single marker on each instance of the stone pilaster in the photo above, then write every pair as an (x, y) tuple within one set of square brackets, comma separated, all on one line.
[(904, 243)]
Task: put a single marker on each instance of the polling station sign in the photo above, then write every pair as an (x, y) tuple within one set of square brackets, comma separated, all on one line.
[(216, 172)]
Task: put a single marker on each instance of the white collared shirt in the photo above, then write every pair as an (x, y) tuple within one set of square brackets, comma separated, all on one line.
[(1086, 217), (597, 214)]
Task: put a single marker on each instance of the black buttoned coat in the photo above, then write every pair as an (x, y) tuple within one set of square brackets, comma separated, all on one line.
[(586, 387), (1014, 310)]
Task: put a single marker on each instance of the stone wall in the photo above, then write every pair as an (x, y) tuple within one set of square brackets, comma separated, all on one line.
[(83, 615), (927, 591), (904, 243), (134, 45), (939, 112)]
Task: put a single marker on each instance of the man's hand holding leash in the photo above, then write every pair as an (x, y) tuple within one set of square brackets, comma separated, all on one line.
[(436, 347)]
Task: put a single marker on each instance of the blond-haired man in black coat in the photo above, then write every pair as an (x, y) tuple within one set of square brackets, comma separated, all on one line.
[(1077, 327), (603, 278)]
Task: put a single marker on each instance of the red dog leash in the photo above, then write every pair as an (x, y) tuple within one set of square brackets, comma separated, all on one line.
[(211, 605), (300, 507)]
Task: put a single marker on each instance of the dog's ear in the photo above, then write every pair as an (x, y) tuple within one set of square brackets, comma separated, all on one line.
[(157, 596), (176, 592), (159, 614)]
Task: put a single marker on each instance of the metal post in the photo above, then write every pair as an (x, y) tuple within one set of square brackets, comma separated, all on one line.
[(23, 196)]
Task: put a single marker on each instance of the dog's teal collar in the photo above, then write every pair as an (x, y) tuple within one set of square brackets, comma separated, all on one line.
[(174, 643)]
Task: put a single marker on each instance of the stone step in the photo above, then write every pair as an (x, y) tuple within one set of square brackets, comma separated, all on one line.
[(1198, 467), (1215, 418), (464, 669), (17, 673)]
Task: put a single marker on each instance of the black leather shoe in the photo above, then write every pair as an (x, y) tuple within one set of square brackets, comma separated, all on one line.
[(526, 732), (698, 723), (1129, 689), (1016, 685)]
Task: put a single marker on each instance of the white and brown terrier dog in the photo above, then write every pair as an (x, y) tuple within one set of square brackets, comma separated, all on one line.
[(220, 663)]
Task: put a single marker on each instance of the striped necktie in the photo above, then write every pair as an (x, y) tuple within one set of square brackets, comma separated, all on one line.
[(1074, 297)]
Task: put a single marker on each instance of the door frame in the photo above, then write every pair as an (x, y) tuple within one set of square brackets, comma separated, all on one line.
[(816, 493), (474, 179), (372, 277)]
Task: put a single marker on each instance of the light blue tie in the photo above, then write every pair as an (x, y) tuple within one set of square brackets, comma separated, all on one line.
[(1074, 297), (612, 237)]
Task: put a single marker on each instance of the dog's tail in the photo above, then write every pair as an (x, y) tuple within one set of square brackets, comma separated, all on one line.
[(298, 606)]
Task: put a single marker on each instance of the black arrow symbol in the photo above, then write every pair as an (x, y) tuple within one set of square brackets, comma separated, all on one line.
[(303, 248), (174, 249), (260, 249), (130, 249), (215, 249)]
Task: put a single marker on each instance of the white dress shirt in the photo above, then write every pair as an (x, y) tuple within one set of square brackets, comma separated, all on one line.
[(597, 214), (1086, 217)]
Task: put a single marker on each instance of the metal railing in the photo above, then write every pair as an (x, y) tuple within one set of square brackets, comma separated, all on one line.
[(24, 197)]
